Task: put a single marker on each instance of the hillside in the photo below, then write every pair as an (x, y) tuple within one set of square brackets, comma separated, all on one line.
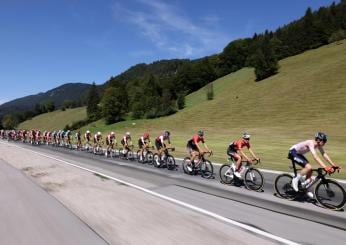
[(55, 120), (68, 91), (307, 95)]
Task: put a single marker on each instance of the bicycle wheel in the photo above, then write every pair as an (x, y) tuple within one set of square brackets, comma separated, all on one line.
[(283, 186), (226, 174), (156, 160), (330, 194), (187, 167), (253, 179), (207, 169), (130, 156), (170, 162), (149, 157)]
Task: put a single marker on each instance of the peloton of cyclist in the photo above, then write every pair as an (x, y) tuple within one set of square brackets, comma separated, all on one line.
[(143, 143), (97, 141), (235, 150), (193, 146), (126, 142), (296, 154), (160, 143), (110, 141)]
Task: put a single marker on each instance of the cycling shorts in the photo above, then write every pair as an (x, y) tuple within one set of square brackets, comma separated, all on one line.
[(159, 145), (297, 158), (191, 146)]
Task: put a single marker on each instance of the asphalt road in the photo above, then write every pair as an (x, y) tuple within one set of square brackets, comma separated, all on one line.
[(303, 222), (29, 215)]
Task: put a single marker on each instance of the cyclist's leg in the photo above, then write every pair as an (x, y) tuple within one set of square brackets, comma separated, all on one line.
[(304, 163)]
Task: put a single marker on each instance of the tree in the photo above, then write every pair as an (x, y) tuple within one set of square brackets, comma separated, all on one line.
[(93, 99), (210, 91), (112, 106), (50, 106), (181, 101), (10, 121), (265, 61)]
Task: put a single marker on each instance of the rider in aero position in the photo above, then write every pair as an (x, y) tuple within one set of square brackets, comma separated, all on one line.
[(296, 153), (97, 141), (143, 143), (236, 147), (126, 141), (160, 143), (193, 148), (110, 141)]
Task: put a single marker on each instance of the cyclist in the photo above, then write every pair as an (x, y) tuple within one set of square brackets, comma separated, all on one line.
[(160, 143), (235, 150), (296, 154), (78, 137), (126, 142), (143, 143), (110, 141), (193, 147), (87, 138), (97, 141)]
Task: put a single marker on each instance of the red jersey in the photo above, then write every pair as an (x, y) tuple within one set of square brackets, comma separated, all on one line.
[(241, 143)]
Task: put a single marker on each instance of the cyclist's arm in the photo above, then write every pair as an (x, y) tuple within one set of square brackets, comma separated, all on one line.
[(253, 154), (325, 156), (244, 155), (318, 160), (206, 147)]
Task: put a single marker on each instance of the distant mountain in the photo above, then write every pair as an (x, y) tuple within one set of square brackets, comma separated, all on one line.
[(68, 91)]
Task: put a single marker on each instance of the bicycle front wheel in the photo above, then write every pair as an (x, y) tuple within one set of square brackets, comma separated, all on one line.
[(253, 179), (330, 194), (170, 162), (283, 186), (187, 166), (226, 174), (207, 169), (149, 157)]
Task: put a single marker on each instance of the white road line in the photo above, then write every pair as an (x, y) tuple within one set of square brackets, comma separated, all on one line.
[(183, 204)]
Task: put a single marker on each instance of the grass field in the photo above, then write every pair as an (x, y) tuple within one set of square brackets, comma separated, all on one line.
[(55, 120), (307, 95)]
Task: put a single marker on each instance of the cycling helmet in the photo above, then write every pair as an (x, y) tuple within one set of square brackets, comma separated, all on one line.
[(128, 134), (112, 133), (88, 132), (98, 133), (146, 135), (246, 136), (321, 136), (166, 133), (200, 133)]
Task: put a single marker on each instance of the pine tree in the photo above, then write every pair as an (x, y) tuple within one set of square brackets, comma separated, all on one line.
[(112, 107), (265, 61), (93, 100)]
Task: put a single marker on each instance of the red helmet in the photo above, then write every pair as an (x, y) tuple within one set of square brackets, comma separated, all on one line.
[(146, 135)]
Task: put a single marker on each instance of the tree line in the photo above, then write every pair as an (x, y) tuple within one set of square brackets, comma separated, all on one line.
[(159, 89)]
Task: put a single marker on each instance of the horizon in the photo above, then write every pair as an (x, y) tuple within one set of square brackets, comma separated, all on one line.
[(148, 31)]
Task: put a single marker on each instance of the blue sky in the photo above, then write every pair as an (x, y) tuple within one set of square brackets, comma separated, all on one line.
[(46, 43)]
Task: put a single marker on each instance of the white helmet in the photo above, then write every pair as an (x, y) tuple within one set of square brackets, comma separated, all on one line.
[(88, 132), (128, 133), (98, 133), (246, 136), (112, 133)]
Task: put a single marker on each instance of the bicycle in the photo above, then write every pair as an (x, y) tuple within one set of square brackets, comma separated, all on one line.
[(202, 166), (327, 192), (127, 154), (252, 177), (147, 156), (166, 159), (97, 150)]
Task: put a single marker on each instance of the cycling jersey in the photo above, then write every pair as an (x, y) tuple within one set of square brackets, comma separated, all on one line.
[(192, 143), (124, 140), (87, 136), (97, 138), (159, 141), (307, 146), (109, 139)]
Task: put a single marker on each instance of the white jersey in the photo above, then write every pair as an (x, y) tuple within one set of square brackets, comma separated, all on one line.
[(307, 146)]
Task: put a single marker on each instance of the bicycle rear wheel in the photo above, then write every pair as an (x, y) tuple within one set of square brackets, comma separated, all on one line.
[(207, 169), (156, 160), (226, 174), (170, 162), (130, 156), (140, 157), (283, 186), (253, 179), (330, 194)]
